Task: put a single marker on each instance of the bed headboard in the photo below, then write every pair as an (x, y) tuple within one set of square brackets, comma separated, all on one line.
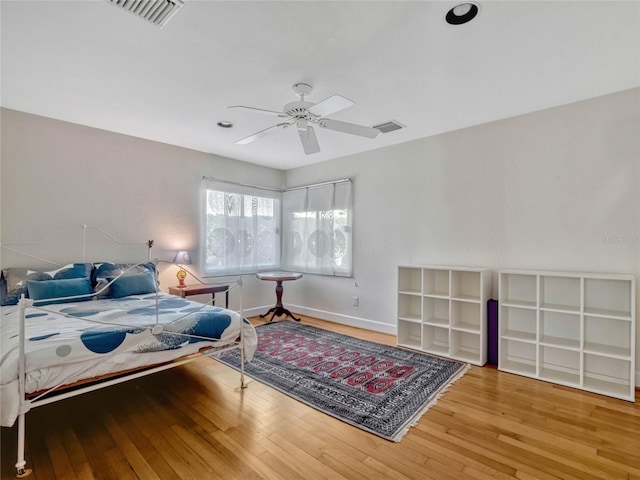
[(78, 244)]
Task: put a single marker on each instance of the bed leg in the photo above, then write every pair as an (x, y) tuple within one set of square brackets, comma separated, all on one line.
[(242, 382), (21, 472)]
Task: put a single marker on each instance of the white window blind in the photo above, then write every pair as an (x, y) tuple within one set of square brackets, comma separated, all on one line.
[(241, 229), (317, 226)]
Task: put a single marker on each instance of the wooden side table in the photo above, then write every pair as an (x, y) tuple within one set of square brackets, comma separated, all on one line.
[(279, 277), (201, 290)]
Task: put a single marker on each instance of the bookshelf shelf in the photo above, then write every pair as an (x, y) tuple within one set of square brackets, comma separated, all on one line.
[(574, 329), (443, 311)]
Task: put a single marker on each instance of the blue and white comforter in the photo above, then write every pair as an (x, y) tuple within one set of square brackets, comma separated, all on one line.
[(64, 344)]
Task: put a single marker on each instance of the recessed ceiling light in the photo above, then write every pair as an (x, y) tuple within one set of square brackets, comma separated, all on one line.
[(225, 124), (463, 13)]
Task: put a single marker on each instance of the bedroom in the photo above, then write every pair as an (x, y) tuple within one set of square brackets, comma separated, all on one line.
[(551, 187)]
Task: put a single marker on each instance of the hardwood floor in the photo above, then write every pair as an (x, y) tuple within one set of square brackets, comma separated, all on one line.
[(194, 422)]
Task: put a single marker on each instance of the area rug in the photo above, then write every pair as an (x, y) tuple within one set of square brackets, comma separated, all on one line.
[(378, 388)]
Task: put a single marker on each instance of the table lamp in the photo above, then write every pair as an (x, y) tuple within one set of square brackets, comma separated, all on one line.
[(182, 258)]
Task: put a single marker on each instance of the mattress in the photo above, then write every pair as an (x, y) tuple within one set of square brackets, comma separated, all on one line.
[(69, 342)]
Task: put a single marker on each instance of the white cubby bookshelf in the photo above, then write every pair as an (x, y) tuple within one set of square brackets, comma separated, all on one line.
[(443, 311), (574, 329)]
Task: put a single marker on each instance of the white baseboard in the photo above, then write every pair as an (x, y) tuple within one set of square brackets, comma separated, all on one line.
[(252, 312), (331, 317)]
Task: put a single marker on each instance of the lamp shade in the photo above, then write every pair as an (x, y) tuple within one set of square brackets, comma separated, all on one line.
[(182, 258)]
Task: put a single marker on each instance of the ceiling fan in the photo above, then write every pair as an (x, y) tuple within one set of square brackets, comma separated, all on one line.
[(304, 115)]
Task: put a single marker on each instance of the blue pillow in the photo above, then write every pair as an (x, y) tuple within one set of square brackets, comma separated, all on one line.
[(15, 279), (68, 287), (136, 284), (3, 291), (105, 272)]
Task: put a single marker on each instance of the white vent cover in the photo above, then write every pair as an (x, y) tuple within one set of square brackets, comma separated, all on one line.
[(158, 12), (389, 126)]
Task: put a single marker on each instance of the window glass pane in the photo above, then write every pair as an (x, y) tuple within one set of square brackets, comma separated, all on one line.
[(215, 202), (340, 243), (317, 230), (241, 232), (265, 207)]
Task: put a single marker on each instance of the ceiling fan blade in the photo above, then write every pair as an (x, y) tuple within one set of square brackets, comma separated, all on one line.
[(260, 110), (261, 133), (348, 128), (330, 105), (309, 140)]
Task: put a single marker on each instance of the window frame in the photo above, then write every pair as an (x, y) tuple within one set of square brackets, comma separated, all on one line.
[(230, 189), (338, 196)]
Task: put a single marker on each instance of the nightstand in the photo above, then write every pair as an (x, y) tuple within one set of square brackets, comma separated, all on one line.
[(201, 290)]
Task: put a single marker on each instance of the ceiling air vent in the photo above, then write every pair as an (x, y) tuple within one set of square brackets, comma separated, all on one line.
[(390, 126), (158, 12)]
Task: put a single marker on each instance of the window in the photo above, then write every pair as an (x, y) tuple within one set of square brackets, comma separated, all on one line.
[(317, 223), (241, 229)]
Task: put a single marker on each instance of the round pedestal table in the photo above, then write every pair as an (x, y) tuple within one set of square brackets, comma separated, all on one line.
[(279, 277)]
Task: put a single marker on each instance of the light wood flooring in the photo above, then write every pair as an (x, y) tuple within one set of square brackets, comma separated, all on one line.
[(194, 422)]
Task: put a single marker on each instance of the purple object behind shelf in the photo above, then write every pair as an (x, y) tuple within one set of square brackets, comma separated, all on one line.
[(492, 341)]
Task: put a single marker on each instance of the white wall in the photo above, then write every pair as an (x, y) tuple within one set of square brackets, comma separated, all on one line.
[(552, 190), (57, 176), (556, 189)]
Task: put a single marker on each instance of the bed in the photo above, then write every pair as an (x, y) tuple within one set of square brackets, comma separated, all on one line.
[(85, 326)]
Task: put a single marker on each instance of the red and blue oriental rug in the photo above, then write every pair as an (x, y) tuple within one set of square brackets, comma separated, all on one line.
[(378, 388)]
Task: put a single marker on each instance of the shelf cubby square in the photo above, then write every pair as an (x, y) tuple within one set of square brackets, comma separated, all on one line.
[(560, 293), (517, 357), (560, 329), (409, 334), (465, 316), (607, 297), (560, 365), (518, 289), (607, 336), (436, 311), (518, 323), (410, 307), (609, 376), (466, 347), (436, 282), (435, 339), (409, 280), (466, 285)]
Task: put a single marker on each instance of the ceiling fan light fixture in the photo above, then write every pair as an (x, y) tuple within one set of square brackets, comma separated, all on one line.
[(461, 14)]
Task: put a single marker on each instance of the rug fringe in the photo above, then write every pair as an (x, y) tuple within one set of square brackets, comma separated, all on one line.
[(416, 418)]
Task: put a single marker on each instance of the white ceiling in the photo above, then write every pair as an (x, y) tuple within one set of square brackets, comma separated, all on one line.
[(91, 63)]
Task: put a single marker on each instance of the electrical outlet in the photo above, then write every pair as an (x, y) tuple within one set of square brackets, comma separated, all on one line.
[(356, 300)]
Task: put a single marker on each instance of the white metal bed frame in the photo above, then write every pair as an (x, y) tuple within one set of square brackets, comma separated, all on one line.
[(26, 404)]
